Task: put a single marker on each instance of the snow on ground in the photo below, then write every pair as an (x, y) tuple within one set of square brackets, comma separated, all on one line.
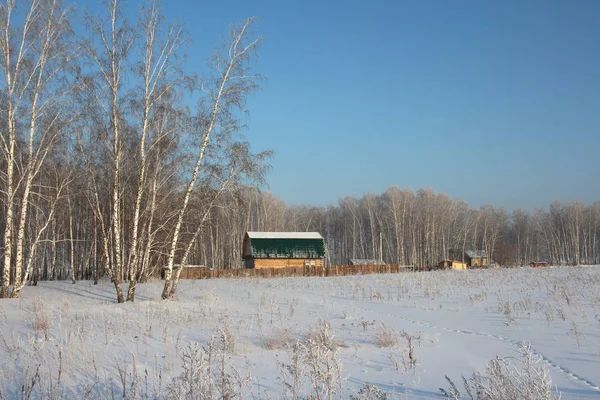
[(75, 341)]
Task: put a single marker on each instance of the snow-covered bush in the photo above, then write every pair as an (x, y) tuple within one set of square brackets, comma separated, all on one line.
[(386, 337), (208, 372), (370, 392), (313, 365), (525, 378)]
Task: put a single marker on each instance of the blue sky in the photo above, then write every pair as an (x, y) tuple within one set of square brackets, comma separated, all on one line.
[(493, 102)]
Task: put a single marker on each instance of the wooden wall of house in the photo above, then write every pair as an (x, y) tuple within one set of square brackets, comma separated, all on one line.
[(285, 262), (459, 266), (455, 265), (246, 247), (479, 262)]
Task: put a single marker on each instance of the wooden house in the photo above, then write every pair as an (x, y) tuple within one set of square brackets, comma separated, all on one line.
[(451, 264), (283, 249), (473, 258)]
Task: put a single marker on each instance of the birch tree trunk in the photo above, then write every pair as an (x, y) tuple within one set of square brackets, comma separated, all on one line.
[(71, 242), (160, 74), (109, 52)]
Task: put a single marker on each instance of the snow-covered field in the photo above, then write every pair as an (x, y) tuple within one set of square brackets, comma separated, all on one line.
[(74, 341)]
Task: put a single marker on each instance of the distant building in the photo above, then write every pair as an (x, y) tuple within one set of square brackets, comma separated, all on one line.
[(452, 264), (539, 264), (473, 258), (366, 261), (283, 249)]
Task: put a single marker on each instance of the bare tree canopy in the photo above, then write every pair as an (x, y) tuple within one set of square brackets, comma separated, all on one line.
[(105, 164)]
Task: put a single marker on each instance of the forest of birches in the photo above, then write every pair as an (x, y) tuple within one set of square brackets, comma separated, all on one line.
[(120, 159)]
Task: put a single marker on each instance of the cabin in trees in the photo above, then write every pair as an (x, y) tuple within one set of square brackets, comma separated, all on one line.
[(283, 249), (473, 258), (452, 264)]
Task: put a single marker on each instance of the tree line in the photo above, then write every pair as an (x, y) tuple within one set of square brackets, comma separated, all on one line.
[(401, 226)]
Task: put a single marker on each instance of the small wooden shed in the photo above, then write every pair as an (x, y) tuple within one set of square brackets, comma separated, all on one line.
[(539, 264), (473, 258), (451, 264), (283, 249)]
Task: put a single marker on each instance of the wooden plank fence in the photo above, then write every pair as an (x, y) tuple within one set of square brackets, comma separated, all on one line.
[(335, 270)]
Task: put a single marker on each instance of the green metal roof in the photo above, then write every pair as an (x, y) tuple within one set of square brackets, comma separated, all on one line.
[(287, 248)]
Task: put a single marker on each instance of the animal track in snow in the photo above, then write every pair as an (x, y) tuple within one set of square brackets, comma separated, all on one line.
[(550, 362)]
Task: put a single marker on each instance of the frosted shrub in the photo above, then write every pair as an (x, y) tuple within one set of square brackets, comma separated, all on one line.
[(324, 368), (370, 392), (410, 361), (507, 379), (208, 373), (313, 364), (41, 318), (193, 383), (227, 339), (322, 335), (293, 372), (386, 337), (278, 339)]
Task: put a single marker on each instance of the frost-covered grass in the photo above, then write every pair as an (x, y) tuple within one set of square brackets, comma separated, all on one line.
[(395, 336)]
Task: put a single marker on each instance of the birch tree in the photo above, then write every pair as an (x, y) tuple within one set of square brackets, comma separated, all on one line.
[(50, 196), (242, 163), (108, 51), (225, 91), (36, 55), (160, 75)]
